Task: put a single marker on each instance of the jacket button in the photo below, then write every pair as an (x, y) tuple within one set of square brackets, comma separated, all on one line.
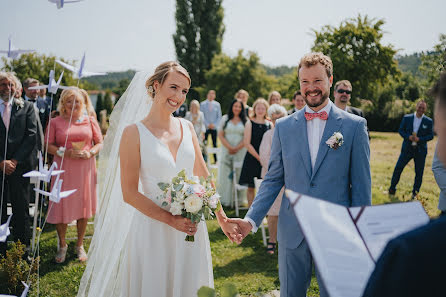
[(312, 185)]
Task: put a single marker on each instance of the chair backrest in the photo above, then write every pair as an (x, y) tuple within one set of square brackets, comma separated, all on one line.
[(257, 182)]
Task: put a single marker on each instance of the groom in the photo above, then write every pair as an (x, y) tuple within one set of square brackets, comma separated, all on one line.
[(303, 162)]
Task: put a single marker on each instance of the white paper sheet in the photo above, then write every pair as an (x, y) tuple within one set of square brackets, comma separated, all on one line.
[(380, 223), (337, 248)]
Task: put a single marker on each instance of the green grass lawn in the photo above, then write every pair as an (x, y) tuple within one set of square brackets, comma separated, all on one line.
[(248, 266)]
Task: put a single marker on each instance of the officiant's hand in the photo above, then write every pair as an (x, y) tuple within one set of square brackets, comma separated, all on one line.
[(244, 225)]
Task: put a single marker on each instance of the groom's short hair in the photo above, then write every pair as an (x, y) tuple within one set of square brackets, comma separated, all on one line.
[(315, 58)]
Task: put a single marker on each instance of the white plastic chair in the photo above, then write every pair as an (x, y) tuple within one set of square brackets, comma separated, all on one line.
[(237, 187), (264, 224), (210, 151)]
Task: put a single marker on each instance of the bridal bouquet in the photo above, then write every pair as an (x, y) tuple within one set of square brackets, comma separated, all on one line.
[(190, 197)]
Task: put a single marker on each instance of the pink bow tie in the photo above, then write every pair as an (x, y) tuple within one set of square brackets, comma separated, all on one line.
[(322, 115)]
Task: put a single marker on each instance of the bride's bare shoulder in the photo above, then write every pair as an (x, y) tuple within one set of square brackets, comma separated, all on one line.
[(130, 136)]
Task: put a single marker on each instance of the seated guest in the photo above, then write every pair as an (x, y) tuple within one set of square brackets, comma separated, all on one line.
[(275, 112), (18, 128), (298, 101), (84, 143), (413, 263), (230, 133)]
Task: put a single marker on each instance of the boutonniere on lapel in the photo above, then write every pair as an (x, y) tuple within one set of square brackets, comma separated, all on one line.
[(335, 141), (424, 126), (19, 102)]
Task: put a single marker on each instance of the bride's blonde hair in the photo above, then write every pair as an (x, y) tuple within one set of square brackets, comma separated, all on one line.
[(161, 73)]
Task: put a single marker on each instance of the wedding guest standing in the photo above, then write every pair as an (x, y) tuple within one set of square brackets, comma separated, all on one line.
[(243, 96), (274, 98), (230, 133), (212, 115), (18, 128), (275, 112), (416, 130), (196, 117), (298, 101), (254, 130), (84, 142)]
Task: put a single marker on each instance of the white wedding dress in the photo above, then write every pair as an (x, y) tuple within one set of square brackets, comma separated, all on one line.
[(131, 254), (157, 260)]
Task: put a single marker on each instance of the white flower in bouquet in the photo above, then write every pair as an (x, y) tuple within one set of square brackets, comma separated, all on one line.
[(193, 203), (176, 208), (213, 201)]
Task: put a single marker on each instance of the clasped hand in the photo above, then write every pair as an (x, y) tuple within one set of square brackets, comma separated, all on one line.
[(9, 166), (235, 229), (79, 154)]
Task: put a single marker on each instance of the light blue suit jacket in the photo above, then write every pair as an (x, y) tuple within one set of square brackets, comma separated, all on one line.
[(340, 176)]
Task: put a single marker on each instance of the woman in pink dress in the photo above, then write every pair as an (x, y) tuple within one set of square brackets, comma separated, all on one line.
[(78, 161)]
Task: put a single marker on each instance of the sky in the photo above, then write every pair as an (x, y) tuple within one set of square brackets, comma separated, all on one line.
[(137, 34)]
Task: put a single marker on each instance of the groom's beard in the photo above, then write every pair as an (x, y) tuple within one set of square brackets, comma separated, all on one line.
[(317, 103)]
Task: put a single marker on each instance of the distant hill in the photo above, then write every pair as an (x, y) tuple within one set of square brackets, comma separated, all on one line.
[(111, 80), (279, 70), (409, 63)]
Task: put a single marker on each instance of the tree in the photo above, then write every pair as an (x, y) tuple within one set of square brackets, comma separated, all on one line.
[(434, 62), (358, 55), (108, 104), (227, 75), (99, 104), (198, 36)]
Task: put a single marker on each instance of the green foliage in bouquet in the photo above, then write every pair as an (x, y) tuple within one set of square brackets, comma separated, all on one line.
[(14, 269)]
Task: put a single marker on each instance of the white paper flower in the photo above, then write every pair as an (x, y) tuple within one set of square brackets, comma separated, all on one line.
[(193, 203), (213, 201), (176, 208)]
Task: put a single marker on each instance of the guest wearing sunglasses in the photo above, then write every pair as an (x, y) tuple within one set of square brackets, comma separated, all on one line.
[(342, 94)]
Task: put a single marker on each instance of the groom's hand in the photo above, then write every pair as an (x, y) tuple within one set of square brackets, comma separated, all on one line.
[(244, 226)]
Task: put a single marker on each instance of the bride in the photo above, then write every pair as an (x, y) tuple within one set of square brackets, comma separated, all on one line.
[(138, 248)]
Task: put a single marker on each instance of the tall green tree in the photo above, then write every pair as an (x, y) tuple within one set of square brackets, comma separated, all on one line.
[(108, 104), (434, 62), (99, 104), (358, 54), (198, 35), (227, 75)]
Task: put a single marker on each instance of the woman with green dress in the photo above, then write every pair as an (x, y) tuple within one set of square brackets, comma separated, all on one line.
[(231, 133)]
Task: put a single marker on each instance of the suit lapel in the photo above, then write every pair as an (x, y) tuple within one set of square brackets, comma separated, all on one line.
[(333, 124), (301, 125)]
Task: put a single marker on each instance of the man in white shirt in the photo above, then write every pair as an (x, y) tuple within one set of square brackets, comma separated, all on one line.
[(416, 130), (212, 114)]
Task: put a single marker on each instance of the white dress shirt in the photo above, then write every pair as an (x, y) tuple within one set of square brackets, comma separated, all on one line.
[(417, 122), (315, 129)]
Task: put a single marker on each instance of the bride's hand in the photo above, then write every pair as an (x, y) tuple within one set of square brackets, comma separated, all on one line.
[(184, 225), (231, 230)]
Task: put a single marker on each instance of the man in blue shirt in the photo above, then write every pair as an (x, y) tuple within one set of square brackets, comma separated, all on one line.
[(212, 115), (416, 130)]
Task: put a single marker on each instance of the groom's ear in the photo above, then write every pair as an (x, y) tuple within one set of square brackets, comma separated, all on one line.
[(331, 81)]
